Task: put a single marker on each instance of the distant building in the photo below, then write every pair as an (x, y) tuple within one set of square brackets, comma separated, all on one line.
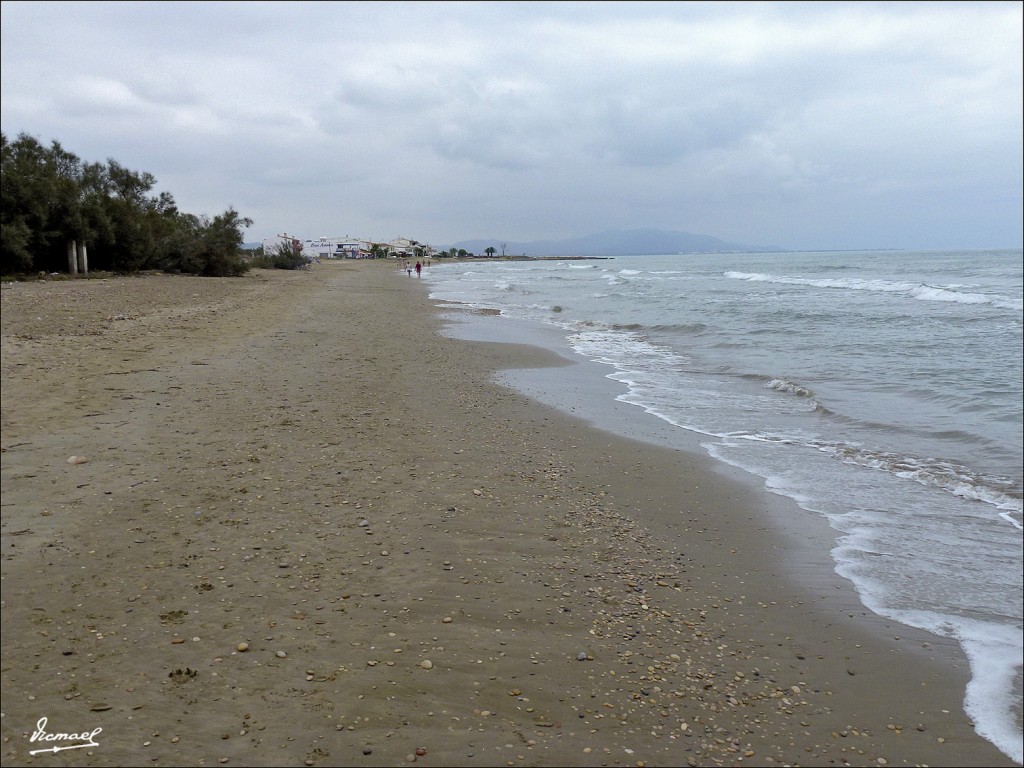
[(350, 247), (402, 247), (336, 248), (273, 244)]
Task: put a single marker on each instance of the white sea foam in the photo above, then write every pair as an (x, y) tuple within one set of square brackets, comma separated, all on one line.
[(897, 421), (781, 385), (920, 291)]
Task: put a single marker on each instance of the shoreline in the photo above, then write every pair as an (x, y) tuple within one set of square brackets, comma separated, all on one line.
[(577, 388), (305, 463)]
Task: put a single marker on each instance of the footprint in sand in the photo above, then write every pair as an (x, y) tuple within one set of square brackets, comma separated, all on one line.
[(181, 676)]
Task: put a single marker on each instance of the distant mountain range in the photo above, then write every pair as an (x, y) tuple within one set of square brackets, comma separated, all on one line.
[(616, 242)]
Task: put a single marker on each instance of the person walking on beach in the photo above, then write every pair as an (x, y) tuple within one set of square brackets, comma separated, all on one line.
[(408, 269), (418, 268)]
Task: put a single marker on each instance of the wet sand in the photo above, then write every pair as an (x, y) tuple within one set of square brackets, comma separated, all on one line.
[(310, 529)]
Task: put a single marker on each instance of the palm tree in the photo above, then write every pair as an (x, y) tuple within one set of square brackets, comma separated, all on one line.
[(490, 250)]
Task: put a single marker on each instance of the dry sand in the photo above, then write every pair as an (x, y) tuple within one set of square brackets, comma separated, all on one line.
[(422, 565)]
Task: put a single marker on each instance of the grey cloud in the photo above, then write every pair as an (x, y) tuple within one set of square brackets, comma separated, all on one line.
[(804, 124)]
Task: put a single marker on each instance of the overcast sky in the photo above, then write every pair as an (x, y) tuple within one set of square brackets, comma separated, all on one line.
[(839, 125)]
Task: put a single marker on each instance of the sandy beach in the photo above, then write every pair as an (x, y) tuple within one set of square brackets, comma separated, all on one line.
[(283, 520)]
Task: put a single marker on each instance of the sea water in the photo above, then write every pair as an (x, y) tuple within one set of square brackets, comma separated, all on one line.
[(880, 390)]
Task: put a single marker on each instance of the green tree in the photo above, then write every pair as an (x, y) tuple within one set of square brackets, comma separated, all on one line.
[(490, 250), (33, 195), (131, 242), (285, 256), (217, 249), (48, 197)]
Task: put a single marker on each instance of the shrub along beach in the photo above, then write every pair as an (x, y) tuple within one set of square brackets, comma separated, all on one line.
[(280, 519)]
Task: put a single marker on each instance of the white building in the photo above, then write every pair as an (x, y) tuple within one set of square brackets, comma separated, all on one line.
[(336, 248), (404, 248), (272, 244), (348, 247), (321, 247)]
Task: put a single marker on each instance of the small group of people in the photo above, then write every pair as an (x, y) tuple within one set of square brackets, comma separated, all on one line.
[(409, 268)]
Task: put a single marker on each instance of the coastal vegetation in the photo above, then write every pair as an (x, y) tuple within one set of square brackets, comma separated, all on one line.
[(281, 256), (51, 198)]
